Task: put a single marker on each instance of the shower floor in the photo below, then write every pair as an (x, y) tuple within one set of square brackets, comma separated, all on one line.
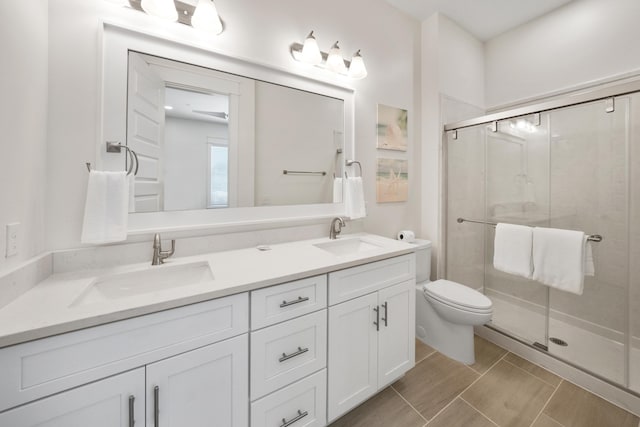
[(596, 353)]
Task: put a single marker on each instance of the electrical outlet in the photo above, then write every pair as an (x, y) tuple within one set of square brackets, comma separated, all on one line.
[(13, 234)]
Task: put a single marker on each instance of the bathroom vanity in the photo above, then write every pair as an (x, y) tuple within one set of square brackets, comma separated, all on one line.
[(294, 335)]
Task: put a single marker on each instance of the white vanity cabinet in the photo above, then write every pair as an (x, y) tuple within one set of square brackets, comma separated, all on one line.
[(113, 402), (371, 330), (289, 354), (196, 356), (203, 387)]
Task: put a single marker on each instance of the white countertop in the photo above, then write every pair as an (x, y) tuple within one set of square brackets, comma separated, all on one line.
[(48, 308)]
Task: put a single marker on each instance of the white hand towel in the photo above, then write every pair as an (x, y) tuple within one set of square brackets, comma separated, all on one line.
[(559, 258), (131, 181), (589, 268), (337, 190), (106, 208), (512, 249), (354, 198)]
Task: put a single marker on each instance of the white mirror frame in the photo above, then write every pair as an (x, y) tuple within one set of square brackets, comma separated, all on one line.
[(116, 41)]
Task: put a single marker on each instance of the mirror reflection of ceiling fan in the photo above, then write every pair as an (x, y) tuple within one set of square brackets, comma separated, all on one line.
[(218, 114)]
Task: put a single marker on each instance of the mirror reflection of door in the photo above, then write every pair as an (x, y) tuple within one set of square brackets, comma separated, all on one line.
[(145, 133), (183, 122)]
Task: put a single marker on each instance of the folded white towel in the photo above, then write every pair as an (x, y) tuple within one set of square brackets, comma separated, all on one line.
[(337, 190), (354, 198), (106, 208), (512, 249), (559, 258)]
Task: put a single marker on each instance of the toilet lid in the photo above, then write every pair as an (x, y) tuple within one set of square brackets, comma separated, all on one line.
[(456, 294)]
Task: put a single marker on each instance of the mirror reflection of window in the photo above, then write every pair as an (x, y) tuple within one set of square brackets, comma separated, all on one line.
[(218, 173), (196, 149)]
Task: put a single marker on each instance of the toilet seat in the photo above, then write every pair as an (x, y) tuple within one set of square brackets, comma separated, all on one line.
[(458, 296)]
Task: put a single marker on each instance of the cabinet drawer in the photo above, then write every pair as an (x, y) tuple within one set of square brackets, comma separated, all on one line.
[(364, 279), (305, 401), (39, 368), (283, 302), (286, 352)]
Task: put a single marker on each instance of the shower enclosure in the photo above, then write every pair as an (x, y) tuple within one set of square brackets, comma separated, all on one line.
[(572, 163)]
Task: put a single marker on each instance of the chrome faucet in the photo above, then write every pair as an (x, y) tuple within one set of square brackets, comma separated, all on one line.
[(333, 231), (158, 254)]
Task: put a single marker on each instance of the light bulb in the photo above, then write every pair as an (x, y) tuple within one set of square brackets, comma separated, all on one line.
[(357, 70), (335, 62), (206, 17), (164, 9), (310, 51)]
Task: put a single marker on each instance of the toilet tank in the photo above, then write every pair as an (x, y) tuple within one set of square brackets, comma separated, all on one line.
[(423, 260)]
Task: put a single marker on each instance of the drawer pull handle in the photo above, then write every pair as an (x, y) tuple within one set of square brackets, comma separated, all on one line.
[(289, 356), (295, 301), (156, 406), (298, 417), (377, 322), (132, 420), (386, 314)]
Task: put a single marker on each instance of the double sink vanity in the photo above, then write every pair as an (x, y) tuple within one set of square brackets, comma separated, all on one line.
[(294, 334)]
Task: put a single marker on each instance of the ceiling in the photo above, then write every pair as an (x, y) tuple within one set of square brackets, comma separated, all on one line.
[(484, 19)]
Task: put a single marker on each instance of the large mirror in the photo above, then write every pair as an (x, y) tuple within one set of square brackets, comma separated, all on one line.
[(207, 139), (220, 140)]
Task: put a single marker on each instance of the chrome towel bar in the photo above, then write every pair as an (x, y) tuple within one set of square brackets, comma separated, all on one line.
[(116, 147), (352, 162), (592, 237), (288, 172)]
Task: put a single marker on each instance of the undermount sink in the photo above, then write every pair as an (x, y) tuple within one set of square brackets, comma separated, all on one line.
[(151, 279), (347, 246)]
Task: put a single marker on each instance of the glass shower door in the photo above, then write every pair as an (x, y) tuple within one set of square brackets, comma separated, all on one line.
[(517, 164), (465, 198), (589, 192)]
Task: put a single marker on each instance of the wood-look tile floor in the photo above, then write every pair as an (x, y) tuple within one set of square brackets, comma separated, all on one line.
[(500, 389)]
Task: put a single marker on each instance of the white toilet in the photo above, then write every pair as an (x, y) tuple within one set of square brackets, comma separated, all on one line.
[(446, 311)]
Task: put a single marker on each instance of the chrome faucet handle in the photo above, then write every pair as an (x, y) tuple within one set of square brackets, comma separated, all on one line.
[(336, 227), (158, 254)]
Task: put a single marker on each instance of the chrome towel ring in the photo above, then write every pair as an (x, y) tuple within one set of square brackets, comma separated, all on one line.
[(116, 147)]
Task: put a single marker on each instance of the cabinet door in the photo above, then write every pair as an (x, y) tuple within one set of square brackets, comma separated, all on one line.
[(204, 387), (113, 402), (396, 341), (353, 344)]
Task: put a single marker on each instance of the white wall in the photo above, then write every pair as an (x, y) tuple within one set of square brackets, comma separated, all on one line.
[(296, 130), (582, 42), (452, 69), (23, 121), (259, 31)]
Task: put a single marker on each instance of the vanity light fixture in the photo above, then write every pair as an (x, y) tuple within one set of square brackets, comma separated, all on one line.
[(357, 70), (335, 61), (164, 9), (206, 17), (202, 16), (309, 53)]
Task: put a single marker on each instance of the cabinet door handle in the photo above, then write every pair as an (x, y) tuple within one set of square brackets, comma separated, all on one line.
[(386, 314), (377, 322), (289, 356), (156, 406), (298, 417), (132, 420), (295, 301)]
